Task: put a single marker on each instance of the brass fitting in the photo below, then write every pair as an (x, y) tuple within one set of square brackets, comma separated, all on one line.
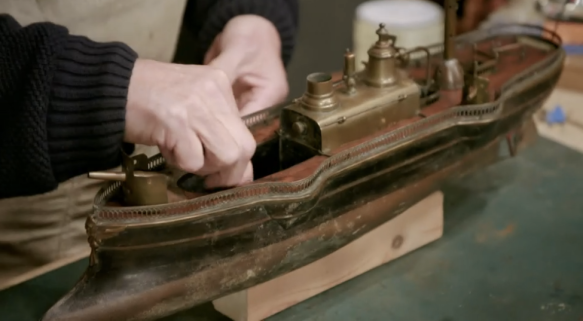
[(349, 71), (381, 69), (319, 95)]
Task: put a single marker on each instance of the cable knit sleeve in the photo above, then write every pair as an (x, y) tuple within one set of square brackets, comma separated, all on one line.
[(208, 18), (62, 105)]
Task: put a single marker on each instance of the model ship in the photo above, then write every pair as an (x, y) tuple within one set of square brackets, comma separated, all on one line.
[(330, 166)]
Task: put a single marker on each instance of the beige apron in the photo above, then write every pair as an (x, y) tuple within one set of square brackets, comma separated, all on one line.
[(44, 232)]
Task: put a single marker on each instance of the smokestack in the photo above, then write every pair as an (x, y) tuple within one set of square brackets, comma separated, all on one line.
[(450, 74), (449, 29)]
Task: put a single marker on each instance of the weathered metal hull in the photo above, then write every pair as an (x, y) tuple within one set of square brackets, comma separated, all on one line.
[(155, 261)]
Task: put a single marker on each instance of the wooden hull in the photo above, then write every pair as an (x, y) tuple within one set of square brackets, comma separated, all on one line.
[(155, 261)]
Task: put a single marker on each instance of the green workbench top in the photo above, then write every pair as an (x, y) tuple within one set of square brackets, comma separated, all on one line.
[(512, 250)]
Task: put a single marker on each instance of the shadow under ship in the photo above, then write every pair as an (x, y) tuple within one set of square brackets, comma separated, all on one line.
[(346, 157)]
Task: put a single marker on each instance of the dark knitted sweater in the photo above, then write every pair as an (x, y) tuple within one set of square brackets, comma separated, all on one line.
[(63, 97)]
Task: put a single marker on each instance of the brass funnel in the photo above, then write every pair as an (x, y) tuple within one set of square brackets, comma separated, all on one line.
[(450, 74)]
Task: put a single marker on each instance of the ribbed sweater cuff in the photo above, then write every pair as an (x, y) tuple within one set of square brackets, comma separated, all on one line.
[(86, 116), (276, 11)]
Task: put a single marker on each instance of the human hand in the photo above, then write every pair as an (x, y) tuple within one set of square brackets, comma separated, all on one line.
[(190, 113), (249, 51)]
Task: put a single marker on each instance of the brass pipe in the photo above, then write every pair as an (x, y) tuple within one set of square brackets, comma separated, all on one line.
[(108, 176), (427, 62), (348, 73), (349, 63)]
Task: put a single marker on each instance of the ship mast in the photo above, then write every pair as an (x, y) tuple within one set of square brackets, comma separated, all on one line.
[(450, 74)]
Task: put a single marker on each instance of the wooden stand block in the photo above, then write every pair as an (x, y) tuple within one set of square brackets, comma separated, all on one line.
[(418, 226)]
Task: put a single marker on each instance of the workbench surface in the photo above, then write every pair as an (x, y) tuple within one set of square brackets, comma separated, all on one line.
[(512, 250)]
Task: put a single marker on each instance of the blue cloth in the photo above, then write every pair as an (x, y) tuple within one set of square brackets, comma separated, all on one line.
[(556, 116), (573, 49)]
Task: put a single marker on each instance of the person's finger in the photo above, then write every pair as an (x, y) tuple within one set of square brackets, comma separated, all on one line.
[(261, 98), (227, 142), (188, 153), (230, 177), (222, 129), (229, 147), (219, 90)]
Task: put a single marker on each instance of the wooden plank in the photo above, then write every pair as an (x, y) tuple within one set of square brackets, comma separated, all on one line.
[(571, 76), (570, 32), (418, 226)]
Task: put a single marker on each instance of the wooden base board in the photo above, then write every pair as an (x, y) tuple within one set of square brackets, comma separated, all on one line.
[(418, 226), (569, 134)]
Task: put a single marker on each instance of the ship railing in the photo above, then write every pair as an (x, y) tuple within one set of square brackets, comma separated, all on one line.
[(469, 39)]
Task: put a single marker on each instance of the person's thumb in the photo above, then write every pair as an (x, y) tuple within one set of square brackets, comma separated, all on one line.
[(213, 51), (227, 62)]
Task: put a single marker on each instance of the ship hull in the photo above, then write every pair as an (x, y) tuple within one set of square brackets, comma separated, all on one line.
[(146, 269)]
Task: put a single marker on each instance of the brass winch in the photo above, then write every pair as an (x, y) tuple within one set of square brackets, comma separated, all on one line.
[(140, 187)]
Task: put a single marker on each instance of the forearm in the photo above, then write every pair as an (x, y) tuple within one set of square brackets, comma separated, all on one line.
[(207, 20), (86, 119), (62, 106)]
